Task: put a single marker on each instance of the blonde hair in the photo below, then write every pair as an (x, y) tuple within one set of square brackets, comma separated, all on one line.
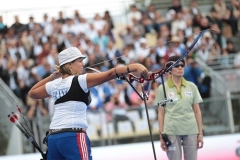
[(65, 69)]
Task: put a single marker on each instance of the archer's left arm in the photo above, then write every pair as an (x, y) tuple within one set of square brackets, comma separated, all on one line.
[(198, 116), (196, 108)]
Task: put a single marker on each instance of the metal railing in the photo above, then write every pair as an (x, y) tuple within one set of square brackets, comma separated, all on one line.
[(216, 120), (219, 88), (223, 62), (218, 85), (226, 79), (8, 102), (231, 78)]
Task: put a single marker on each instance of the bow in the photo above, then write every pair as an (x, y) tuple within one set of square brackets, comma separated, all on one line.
[(165, 69), (151, 78), (155, 75)]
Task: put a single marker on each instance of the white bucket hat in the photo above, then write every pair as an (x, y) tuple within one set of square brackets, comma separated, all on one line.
[(69, 55)]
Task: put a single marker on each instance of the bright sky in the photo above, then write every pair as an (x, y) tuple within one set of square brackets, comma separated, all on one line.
[(36, 8)]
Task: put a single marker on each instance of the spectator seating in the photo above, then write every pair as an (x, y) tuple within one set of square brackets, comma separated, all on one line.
[(125, 129), (134, 123), (124, 126), (96, 119), (108, 131), (92, 133), (151, 39), (141, 128), (155, 128), (133, 115), (151, 112)]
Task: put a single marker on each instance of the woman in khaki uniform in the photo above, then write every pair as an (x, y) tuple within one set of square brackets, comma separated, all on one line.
[(180, 119)]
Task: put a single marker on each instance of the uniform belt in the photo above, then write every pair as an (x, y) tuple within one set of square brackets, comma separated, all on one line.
[(55, 131)]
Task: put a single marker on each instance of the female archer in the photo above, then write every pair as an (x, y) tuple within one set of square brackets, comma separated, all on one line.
[(70, 90)]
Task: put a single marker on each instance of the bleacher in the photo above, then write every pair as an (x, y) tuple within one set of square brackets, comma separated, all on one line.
[(129, 126), (216, 119), (163, 5), (219, 111)]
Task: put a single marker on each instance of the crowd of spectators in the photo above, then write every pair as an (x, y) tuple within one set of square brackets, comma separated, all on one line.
[(28, 52)]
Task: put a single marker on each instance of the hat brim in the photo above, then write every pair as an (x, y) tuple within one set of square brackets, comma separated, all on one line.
[(72, 59)]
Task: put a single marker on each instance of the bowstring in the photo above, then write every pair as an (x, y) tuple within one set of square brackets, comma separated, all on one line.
[(153, 46)]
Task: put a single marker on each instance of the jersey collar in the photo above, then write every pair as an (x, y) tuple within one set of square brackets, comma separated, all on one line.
[(171, 84)]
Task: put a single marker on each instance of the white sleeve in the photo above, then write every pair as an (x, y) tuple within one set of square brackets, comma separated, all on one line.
[(48, 88), (82, 80)]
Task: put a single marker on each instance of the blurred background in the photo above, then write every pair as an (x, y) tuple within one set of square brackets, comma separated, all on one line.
[(32, 33)]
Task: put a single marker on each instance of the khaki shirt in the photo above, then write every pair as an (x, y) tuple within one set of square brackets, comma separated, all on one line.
[(179, 117)]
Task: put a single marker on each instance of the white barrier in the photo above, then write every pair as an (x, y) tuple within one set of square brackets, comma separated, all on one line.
[(222, 147)]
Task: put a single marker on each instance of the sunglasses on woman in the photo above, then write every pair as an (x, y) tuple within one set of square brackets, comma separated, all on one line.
[(179, 65)]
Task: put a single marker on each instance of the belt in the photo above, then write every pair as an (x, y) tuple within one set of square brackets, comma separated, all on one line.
[(60, 130)]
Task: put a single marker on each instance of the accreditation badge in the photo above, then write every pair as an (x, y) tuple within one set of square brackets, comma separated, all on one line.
[(171, 95)]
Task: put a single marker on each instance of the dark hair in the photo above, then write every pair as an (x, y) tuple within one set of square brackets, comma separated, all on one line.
[(173, 59), (229, 41)]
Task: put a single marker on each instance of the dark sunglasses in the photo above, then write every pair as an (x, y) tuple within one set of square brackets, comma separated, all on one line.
[(179, 65)]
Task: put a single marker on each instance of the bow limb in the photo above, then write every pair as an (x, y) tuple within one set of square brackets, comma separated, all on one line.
[(189, 49), (164, 70)]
